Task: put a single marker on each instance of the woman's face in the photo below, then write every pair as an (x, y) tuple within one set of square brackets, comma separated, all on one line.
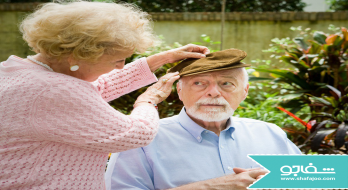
[(106, 63)]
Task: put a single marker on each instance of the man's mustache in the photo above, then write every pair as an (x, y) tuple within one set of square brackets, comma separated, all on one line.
[(212, 101)]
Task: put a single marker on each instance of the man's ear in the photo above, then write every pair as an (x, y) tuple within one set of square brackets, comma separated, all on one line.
[(246, 90), (179, 89)]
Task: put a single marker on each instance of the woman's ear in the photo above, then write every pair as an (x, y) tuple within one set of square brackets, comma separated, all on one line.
[(71, 60)]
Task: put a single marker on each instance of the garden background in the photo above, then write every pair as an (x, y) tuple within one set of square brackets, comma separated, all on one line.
[(299, 75)]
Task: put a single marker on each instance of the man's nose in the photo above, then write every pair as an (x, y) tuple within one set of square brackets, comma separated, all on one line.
[(213, 91)]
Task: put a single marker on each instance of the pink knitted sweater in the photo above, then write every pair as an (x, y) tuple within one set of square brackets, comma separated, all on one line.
[(56, 130)]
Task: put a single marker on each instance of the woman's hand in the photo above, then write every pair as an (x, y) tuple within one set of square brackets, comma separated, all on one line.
[(174, 55), (188, 51), (159, 91)]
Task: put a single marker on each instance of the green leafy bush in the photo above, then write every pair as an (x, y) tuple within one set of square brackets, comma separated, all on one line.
[(261, 104), (319, 79), (338, 5), (215, 6)]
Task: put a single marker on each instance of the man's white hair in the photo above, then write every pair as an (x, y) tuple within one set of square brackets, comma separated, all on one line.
[(245, 77)]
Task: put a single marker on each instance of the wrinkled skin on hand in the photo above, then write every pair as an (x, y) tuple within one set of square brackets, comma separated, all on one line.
[(160, 90)]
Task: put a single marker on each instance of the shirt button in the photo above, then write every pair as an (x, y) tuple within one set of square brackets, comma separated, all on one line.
[(199, 138), (222, 146), (229, 168), (206, 131)]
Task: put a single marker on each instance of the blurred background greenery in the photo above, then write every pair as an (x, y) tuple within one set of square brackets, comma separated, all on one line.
[(213, 5), (202, 5)]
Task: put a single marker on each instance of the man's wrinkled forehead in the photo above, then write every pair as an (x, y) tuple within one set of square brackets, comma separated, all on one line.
[(230, 73)]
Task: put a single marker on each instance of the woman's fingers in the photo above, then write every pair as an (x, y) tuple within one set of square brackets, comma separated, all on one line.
[(197, 48), (170, 79), (170, 75), (160, 90), (193, 55), (187, 51), (170, 82), (164, 79)]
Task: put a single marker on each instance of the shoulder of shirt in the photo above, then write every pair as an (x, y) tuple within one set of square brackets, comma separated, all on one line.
[(256, 123), (167, 127), (165, 122), (169, 120), (248, 120)]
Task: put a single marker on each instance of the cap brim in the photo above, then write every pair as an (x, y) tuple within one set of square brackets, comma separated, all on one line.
[(218, 69)]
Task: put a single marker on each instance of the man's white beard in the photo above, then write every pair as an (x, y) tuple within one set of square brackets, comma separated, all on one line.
[(210, 113)]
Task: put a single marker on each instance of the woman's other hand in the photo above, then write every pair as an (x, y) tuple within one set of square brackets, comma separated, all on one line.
[(174, 55), (188, 51), (159, 91)]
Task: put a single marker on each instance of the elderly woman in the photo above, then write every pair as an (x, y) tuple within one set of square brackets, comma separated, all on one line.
[(56, 125)]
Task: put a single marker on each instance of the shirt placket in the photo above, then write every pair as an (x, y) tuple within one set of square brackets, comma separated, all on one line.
[(225, 154)]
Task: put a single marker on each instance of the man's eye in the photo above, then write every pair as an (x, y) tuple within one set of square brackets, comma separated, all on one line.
[(197, 83), (227, 84)]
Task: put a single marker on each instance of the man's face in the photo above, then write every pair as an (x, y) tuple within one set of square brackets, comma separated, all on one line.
[(213, 96)]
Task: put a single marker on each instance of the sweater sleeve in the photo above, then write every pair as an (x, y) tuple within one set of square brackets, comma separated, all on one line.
[(122, 81), (76, 114)]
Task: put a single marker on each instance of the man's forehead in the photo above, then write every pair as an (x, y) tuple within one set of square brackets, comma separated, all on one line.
[(229, 73)]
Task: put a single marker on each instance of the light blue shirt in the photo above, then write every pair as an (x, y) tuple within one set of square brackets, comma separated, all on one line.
[(184, 152)]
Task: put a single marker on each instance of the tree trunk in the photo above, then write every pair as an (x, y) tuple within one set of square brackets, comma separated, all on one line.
[(222, 22)]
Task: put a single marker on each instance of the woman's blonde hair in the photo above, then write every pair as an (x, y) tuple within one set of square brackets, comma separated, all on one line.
[(87, 30)]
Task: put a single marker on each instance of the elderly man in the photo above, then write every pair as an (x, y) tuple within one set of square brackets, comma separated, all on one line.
[(204, 147)]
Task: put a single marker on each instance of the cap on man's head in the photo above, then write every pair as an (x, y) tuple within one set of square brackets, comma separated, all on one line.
[(220, 60)]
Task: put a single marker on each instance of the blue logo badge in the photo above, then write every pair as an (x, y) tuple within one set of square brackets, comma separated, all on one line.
[(302, 171)]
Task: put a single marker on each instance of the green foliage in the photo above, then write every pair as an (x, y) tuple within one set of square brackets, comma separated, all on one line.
[(203, 5), (338, 5), (318, 79), (262, 102), (206, 41), (215, 6)]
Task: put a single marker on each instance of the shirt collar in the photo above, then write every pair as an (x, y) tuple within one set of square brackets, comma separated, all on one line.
[(230, 127), (195, 130)]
